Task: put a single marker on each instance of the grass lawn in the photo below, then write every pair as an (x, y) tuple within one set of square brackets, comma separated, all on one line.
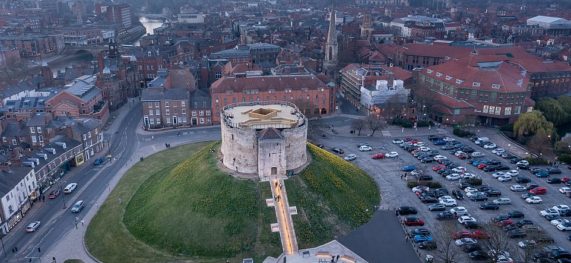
[(332, 197), (176, 206)]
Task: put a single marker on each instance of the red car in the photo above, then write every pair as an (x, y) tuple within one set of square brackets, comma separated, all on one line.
[(538, 190), (504, 222), (482, 166), (413, 221), (377, 156), (438, 167), (478, 234), (53, 194), (565, 179)]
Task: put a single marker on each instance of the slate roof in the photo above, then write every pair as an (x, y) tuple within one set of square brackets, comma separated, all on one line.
[(269, 134), (14, 129), (265, 83), (157, 94), (10, 178)]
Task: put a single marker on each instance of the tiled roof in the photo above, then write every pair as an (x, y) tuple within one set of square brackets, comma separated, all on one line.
[(265, 83)]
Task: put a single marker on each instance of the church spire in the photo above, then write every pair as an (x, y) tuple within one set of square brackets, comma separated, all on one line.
[(331, 46)]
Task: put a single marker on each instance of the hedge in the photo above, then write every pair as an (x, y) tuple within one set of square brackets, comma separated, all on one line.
[(462, 133)]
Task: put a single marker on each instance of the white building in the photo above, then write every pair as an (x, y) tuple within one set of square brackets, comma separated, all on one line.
[(16, 186), (191, 18), (551, 25), (382, 92), (406, 24)]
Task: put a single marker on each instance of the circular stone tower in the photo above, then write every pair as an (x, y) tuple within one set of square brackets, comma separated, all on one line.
[(267, 138)]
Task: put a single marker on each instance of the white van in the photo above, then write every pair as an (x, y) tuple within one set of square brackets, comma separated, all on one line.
[(482, 140)]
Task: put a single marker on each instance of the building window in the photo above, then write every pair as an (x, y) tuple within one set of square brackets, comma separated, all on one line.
[(14, 142), (152, 121), (168, 120), (193, 113), (476, 84), (158, 121), (508, 111), (151, 112), (84, 137), (517, 110), (207, 113), (166, 103), (495, 86), (201, 113), (183, 110), (157, 112), (32, 129), (156, 104), (183, 103), (201, 120), (34, 139), (167, 111)]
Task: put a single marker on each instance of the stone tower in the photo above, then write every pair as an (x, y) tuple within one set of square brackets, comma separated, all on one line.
[(366, 27), (331, 46)]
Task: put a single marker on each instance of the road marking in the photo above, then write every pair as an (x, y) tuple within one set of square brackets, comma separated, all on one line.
[(386, 133)]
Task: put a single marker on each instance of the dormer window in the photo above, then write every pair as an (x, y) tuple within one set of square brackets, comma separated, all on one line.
[(496, 86), (448, 77), (476, 84), (438, 74), (459, 81), (429, 71)]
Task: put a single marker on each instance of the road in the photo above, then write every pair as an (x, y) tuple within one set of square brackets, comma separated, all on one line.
[(56, 221)]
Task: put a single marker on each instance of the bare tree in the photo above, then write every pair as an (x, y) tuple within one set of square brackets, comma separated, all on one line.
[(540, 239), (374, 123), (497, 240), (358, 125), (447, 250), (392, 107)]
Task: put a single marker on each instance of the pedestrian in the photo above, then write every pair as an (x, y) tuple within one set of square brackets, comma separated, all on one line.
[(82, 222), (337, 259), (16, 249), (401, 176)]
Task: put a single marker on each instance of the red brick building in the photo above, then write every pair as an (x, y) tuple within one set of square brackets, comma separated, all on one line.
[(477, 89), (312, 96)]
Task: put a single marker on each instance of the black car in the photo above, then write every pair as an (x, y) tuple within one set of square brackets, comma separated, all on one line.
[(458, 194), (420, 231), (523, 222), (554, 180), (471, 225), (490, 168), (522, 180), (493, 192), (565, 212), (502, 167), (478, 255), (489, 206), (427, 199), (483, 188), (471, 248), (428, 245), (425, 177), (553, 170), (516, 214), (439, 192), (531, 186), (445, 215), (467, 149), (509, 228), (500, 218), (479, 197), (338, 150), (406, 210), (462, 185), (516, 233)]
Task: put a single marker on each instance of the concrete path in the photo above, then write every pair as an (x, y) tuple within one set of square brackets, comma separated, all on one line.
[(283, 215)]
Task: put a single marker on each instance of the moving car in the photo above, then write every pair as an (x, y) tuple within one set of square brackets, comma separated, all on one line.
[(77, 207), (54, 193), (99, 161), (70, 188), (32, 227), (350, 157), (392, 155)]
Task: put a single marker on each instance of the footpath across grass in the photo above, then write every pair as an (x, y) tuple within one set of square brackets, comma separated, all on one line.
[(332, 197)]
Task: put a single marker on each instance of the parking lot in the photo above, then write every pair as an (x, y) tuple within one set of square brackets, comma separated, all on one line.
[(395, 193)]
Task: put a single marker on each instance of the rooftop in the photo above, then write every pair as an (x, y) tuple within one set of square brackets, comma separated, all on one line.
[(263, 115)]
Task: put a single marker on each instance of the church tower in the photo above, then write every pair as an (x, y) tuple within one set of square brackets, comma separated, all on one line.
[(331, 46), (366, 27)]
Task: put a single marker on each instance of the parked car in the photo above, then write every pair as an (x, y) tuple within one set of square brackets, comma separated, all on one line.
[(459, 211), (338, 150), (350, 157), (428, 245), (464, 219), (54, 193), (413, 221), (398, 141), (565, 190), (478, 255), (489, 206), (458, 194), (522, 179), (517, 188), (406, 210), (538, 191), (446, 215), (408, 168), (32, 227), (437, 207), (365, 148), (502, 201), (554, 180), (465, 241), (533, 200), (378, 156), (516, 214), (392, 155), (99, 161)]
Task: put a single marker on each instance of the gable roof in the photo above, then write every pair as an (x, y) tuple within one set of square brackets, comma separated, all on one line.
[(269, 134)]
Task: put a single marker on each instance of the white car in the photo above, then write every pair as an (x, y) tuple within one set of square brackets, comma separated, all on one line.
[(498, 151), (448, 139), (459, 169), (424, 149), (470, 189), (533, 200), (458, 153), (470, 194), (420, 188), (560, 208), (512, 173), (523, 162), (392, 155), (505, 178), (464, 219), (468, 176), (459, 211), (517, 188), (453, 177), (465, 241), (498, 174), (398, 141), (69, 188), (32, 227), (490, 146), (439, 157), (565, 190), (526, 243), (449, 202), (556, 222), (549, 211), (365, 148), (350, 157), (504, 259), (418, 144), (564, 226), (477, 154), (502, 201)]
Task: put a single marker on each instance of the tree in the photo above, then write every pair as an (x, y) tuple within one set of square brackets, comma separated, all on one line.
[(392, 107), (540, 142), (358, 125), (552, 110), (447, 250), (497, 240), (374, 123), (529, 123)]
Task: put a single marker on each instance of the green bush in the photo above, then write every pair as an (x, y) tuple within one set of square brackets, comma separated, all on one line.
[(405, 123), (565, 158), (412, 184), (424, 123), (537, 161), (462, 133)]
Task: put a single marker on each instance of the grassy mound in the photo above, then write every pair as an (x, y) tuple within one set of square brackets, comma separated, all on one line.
[(195, 209), (332, 196)]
